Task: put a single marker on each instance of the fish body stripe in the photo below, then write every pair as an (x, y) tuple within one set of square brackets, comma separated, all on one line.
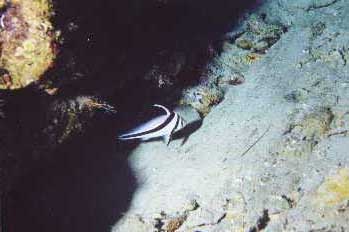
[(176, 125), (156, 129)]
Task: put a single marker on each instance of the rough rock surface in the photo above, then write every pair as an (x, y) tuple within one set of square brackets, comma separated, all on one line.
[(27, 42), (273, 154)]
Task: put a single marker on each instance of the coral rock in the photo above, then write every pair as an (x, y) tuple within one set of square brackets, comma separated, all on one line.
[(26, 39)]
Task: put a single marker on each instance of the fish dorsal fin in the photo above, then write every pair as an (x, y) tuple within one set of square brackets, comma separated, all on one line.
[(164, 108)]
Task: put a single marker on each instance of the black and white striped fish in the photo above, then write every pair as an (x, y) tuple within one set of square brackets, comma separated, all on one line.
[(162, 126)]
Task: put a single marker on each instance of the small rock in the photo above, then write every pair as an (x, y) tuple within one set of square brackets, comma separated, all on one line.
[(173, 224), (296, 96), (203, 98), (259, 35), (235, 79), (305, 133)]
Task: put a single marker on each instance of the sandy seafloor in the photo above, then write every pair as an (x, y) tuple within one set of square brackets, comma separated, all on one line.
[(274, 154)]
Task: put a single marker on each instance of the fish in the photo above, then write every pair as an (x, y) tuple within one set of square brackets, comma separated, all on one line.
[(163, 126)]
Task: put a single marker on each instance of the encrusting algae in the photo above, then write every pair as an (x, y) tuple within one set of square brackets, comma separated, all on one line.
[(335, 189), (27, 42)]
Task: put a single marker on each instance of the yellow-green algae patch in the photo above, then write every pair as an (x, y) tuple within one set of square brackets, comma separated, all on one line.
[(335, 189), (26, 42)]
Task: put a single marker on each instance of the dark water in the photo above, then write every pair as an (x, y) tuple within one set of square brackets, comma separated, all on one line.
[(86, 186)]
